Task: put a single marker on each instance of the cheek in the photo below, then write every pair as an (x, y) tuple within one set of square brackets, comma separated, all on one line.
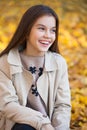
[(36, 35), (54, 37)]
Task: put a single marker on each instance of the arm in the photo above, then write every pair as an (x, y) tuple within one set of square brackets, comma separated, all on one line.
[(11, 109), (62, 107)]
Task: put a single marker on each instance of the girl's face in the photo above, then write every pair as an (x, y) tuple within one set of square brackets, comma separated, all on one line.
[(42, 36)]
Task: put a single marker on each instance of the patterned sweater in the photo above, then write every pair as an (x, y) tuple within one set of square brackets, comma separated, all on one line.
[(35, 65)]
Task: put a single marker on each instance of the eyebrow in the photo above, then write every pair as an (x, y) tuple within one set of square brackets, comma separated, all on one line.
[(43, 25)]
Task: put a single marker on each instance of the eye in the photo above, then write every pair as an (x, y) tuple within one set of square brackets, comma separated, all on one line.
[(41, 28), (53, 30)]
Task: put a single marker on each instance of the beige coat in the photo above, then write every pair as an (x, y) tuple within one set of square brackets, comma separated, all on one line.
[(52, 85)]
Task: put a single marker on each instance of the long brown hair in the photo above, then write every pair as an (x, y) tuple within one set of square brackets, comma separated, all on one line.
[(25, 26)]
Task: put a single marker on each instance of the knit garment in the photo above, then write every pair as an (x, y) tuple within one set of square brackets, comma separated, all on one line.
[(35, 65)]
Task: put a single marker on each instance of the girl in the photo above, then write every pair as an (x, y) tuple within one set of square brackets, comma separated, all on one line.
[(34, 87)]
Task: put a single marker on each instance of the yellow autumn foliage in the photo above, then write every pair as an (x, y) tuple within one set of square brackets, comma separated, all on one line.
[(72, 43)]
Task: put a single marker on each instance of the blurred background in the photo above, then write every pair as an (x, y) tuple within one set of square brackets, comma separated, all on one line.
[(72, 43)]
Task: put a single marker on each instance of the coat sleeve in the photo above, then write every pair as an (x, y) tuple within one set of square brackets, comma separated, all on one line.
[(12, 110), (62, 105)]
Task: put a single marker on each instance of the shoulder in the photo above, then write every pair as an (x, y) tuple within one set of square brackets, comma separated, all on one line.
[(3, 60), (58, 58), (4, 65), (61, 63)]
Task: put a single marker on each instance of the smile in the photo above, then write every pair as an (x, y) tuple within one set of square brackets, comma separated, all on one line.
[(45, 42)]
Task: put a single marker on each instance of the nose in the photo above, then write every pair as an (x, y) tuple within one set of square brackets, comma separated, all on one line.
[(47, 34)]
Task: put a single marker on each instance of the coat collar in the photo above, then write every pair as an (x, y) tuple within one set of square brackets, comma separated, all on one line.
[(14, 57), (15, 61)]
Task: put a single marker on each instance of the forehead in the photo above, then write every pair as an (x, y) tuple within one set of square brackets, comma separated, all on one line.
[(46, 20)]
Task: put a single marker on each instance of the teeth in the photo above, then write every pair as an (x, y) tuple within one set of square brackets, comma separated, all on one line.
[(44, 42)]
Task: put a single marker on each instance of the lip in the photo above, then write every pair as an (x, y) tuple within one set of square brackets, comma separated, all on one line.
[(45, 42)]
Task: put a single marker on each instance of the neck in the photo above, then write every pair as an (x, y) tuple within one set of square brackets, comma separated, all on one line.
[(29, 53)]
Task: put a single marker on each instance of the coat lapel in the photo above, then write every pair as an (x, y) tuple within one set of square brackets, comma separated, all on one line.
[(43, 83), (42, 87)]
